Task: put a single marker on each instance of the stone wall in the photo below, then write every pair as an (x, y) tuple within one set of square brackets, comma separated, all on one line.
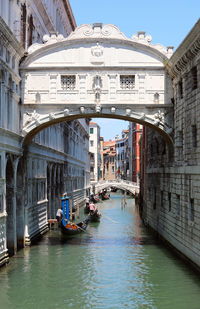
[(171, 195)]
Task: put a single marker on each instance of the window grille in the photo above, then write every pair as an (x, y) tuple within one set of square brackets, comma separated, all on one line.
[(180, 88), (194, 78), (68, 82), (169, 201), (127, 81), (192, 209), (178, 204), (194, 135)]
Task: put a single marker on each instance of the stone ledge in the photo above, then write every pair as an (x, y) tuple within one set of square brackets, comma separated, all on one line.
[(4, 259)]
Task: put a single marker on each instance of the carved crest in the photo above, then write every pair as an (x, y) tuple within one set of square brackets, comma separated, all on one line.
[(97, 50)]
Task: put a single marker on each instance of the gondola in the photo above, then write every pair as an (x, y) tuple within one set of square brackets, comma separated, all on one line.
[(68, 227), (105, 197), (94, 217), (71, 228)]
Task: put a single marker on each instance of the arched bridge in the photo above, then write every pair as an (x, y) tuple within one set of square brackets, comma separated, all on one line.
[(130, 186), (97, 72)]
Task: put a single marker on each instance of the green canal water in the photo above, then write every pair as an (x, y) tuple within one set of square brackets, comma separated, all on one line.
[(116, 264)]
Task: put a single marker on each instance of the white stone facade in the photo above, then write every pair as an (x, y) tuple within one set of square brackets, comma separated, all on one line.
[(56, 161), (96, 72), (94, 149)]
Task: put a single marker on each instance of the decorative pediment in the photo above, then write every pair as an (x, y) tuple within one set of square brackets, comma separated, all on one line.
[(97, 30)]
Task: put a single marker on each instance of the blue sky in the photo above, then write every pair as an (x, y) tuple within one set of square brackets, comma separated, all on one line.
[(168, 22)]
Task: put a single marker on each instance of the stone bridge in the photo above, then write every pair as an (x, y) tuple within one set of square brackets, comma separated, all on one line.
[(130, 186), (96, 72)]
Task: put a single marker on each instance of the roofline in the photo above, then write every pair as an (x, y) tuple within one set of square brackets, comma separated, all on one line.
[(185, 52), (70, 14)]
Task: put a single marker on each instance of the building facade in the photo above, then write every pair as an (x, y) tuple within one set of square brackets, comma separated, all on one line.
[(135, 133), (171, 177), (56, 161), (122, 151), (94, 148), (109, 160)]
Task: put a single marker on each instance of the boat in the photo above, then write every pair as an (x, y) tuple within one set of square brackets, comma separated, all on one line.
[(67, 226), (94, 217), (105, 197), (71, 228)]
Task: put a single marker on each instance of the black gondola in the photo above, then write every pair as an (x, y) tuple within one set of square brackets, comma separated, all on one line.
[(68, 227), (105, 197), (94, 216), (71, 228)]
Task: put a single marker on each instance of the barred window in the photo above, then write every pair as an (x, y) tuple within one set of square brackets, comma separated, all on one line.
[(127, 81), (68, 82), (194, 78), (180, 88), (194, 135), (191, 213)]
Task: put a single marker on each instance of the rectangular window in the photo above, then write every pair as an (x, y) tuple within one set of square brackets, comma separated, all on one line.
[(179, 142), (194, 77), (169, 201), (194, 136), (154, 199), (161, 199), (91, 143), (191, 209), (127, 81), (7, 56), (91, 130), (113, 169), (68, 82), (178, 204), (180, 88)]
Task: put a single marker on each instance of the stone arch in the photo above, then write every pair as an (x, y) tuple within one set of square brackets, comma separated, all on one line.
[(37, 126), (134, 189)]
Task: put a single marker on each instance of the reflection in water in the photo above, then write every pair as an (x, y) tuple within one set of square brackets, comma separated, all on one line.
[(115, 264)]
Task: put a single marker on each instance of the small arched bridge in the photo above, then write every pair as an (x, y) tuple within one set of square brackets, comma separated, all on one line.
[(130, 186)]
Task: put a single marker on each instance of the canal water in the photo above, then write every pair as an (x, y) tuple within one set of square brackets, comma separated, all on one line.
[(115, 264)]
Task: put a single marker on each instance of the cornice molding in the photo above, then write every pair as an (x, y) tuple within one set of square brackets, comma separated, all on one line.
[(186, 52)]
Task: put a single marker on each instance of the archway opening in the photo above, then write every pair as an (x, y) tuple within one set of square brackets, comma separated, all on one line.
[(10, 221)]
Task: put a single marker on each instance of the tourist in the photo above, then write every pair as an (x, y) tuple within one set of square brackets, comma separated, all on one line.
[(59, 214)]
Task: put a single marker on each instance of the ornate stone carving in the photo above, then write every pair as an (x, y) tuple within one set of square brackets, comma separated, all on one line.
[(97, 85), (66, 112), (97, 50), (97, 30), (82, 109), (98, 108), (31, 117), (159, 116), (128, 111)]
